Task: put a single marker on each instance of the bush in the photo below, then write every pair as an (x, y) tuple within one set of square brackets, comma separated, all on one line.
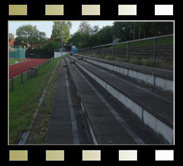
[(46, 52), (148, 62), (136, 61), (109, 57)]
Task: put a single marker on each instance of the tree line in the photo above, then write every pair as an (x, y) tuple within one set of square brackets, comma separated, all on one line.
[(35, 42), (88, 36)]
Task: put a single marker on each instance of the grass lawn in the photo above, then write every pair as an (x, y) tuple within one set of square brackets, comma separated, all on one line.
[(12, 61), (160, 42), (39, 130), (23, 101)]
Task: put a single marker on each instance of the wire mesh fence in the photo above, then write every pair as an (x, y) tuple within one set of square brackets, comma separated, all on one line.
[(17, 52)]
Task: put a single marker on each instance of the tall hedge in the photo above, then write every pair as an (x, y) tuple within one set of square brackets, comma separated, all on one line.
[(46, 52)]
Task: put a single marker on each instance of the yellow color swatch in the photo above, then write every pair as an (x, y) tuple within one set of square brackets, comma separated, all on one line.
[(55, 155), (90, 10), (127, 155), (18, 155), (91, 155), (54, 10), (15, 10)]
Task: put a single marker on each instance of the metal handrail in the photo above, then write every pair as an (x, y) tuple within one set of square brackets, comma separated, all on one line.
[(130, 41)]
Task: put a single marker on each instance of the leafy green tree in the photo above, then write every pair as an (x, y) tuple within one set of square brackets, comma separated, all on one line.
[(105, 35), (86, 37), (11, 36), (95, 29), (50, 47), (46, 52), (85, 28), (135, 30), (61, 31), (29, 35), (80, 39), (124, 30), (161, 28)]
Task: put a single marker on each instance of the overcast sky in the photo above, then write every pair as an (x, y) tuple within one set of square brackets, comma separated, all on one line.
[(46, 26)]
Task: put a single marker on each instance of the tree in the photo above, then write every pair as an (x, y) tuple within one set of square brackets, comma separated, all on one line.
[(85, 28), (80, 39), (136, 30), (124, 30), (95, 29), (29, 35), (61, 31), (161, 28), (46, 52), (50, 47), (104, 36), (11, 36)]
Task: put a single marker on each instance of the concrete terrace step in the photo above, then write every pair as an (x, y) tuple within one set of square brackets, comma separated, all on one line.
[(106, 128), (159, 78), (60, 129), (154, 111)]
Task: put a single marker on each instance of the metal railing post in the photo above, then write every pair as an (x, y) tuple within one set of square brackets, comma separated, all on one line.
[(12, 83), (112, 51), (104, 51), (28, 75), (154, 49), (21, 75), (127, 50)]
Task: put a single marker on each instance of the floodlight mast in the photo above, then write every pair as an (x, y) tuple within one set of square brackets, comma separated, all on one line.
[(58, 27), (62, 40)]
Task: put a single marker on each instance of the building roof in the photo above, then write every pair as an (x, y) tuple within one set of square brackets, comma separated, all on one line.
[(11, 42)]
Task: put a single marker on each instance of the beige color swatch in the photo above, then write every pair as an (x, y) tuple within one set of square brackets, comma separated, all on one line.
[(55, 155), (127, 155), (127, 9), (91, 155), (54, 10), (90, 9)]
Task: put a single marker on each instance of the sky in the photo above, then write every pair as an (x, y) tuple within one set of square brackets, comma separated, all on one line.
[(46, 26)]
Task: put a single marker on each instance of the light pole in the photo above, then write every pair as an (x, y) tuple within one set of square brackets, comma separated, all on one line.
[(62, 40), (134, 32)]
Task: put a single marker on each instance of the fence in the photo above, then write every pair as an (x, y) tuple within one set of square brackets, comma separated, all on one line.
[(19, 79), (17, 52), (59, 54), (159, 47)]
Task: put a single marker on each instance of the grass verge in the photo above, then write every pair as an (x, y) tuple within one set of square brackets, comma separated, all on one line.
[(163, 64), (23, 101), (160, 42), (12, 61), (39, 130)]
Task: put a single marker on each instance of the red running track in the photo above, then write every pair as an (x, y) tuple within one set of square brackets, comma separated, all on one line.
[(19, 68)]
